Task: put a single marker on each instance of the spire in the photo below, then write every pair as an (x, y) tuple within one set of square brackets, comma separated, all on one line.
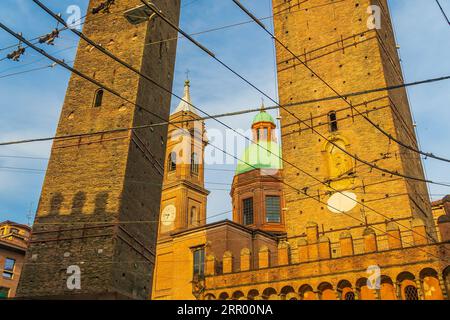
[(186, 104), (263, 116)]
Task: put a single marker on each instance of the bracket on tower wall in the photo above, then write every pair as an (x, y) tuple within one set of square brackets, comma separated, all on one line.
[(138, 15)]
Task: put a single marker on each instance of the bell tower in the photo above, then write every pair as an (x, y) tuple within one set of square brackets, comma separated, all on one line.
[(257, 188), (339, 42), (183, 203), (95, 234)]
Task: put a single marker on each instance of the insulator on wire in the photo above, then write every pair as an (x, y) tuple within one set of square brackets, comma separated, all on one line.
[(49, 38), (15, 55), (103, 7)]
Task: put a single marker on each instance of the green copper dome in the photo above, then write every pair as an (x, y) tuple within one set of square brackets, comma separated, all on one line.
[(263, 116), (265, 155)]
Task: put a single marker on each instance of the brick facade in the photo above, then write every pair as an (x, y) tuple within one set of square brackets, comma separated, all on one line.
[(102, 192)]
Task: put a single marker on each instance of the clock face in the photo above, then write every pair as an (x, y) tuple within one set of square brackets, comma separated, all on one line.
[(168, 215)]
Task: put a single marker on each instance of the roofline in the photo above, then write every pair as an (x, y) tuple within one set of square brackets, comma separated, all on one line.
[(12, 223), (225, 223)]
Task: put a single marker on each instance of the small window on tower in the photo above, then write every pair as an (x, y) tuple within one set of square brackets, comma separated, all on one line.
[(172, 162), (194, 164), (248, 211), (8, 268), (332, 120), (199, 262), (194, 217), (273, 209), (98, 98)]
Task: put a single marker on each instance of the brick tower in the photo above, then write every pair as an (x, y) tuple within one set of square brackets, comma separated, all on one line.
[(335, 39), (183, 203), (99, 207)]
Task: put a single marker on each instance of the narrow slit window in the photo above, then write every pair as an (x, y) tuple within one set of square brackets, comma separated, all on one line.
[(199, 262), (333, 122), (172, 162), (194, 217), (248, 211), (98, 98), (273, 209)]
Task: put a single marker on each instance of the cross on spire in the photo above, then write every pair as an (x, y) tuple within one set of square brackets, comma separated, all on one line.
[(263, 107)]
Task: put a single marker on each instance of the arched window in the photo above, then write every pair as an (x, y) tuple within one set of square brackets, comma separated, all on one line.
[(172, 162), (411, 293), (333, 122), (98, 98), (194, 164)]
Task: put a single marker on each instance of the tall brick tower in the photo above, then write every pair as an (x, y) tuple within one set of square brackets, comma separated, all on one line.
[(184, 201), (335, 39), (99, 207), (184, 194)]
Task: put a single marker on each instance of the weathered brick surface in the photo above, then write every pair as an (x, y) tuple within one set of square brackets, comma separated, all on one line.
[(101, 194), (334, 40), (334, 254), (320, 273)]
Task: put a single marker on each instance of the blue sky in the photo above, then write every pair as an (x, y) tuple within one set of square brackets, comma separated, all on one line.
[(31, 102)]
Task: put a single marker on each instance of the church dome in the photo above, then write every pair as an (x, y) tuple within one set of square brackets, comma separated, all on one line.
[(263, 116), (265, 155)]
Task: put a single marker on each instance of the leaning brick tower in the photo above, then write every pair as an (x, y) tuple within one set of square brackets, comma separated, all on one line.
[(99, 205), (337, 41)]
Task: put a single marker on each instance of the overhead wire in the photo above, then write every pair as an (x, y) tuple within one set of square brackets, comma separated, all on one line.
[(41, 51), (174, 26), (377, 126)]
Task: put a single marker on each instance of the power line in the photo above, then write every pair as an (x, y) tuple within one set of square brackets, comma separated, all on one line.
[(115, 58), (443, 12), (26, 71), (209, 53), (80, 74), (157, 12), (242, 23), (385, 194), (241, 112), (35, 61), (378, 127)]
